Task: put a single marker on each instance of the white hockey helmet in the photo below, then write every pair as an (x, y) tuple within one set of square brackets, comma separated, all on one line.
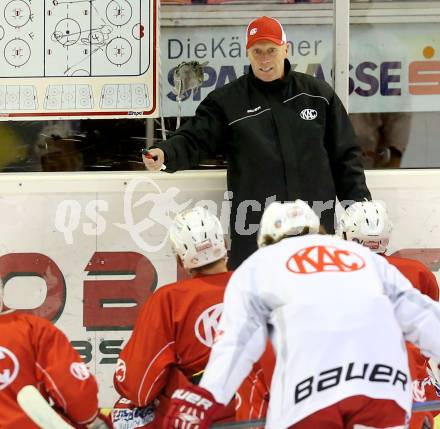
[(286, 219), (197, 237), (366, 223)]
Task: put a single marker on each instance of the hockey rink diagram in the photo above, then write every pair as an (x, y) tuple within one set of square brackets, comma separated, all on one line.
[(61, 97), (18, 97), (74, 38), (124, 96)]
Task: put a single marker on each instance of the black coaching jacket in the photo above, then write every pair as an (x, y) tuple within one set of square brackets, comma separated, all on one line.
[(286, 139)]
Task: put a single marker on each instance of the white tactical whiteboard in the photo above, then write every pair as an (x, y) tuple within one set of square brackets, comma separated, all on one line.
[(78, 58)]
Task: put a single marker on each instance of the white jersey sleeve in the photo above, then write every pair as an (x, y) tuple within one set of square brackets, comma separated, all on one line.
[(241, 339), (417, 314)]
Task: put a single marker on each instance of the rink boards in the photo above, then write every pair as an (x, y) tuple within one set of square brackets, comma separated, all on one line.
[(86, 249)]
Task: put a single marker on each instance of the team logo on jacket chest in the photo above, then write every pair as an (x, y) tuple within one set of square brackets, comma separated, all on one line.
[(308, 114), (206, 325), (318, 259), (9, 367)]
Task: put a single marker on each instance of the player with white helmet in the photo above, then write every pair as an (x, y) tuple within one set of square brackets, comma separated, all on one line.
[(197, 238), (368, 223), (174, 332), (285, 220), (322, 301), (38, 363)]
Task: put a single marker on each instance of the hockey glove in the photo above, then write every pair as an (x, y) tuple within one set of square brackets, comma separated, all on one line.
[(191, 408)]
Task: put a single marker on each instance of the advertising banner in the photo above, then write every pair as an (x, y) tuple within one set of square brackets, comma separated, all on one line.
[(393, 67)]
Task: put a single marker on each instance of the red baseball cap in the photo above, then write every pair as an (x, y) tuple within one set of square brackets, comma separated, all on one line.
[(265, 28)]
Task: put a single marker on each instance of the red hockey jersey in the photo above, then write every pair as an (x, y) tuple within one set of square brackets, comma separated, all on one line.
[(169, 347), (253, 396), (423, 280), (420, 276), (34, 352)]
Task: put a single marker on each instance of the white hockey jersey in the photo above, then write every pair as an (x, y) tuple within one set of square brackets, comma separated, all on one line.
[(337, 315)]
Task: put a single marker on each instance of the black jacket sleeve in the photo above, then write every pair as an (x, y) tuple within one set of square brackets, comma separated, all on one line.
[(344, 154), (201, 136)]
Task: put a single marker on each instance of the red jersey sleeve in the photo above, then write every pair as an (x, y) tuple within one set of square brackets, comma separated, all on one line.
[(64, 375), (420, 276), (144, 363), (430, 284)]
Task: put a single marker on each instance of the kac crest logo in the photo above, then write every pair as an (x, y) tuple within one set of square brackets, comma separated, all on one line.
[(308, 114), (80, 371), (121, 370), (9, 367), (318, 259), (206, 326)]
